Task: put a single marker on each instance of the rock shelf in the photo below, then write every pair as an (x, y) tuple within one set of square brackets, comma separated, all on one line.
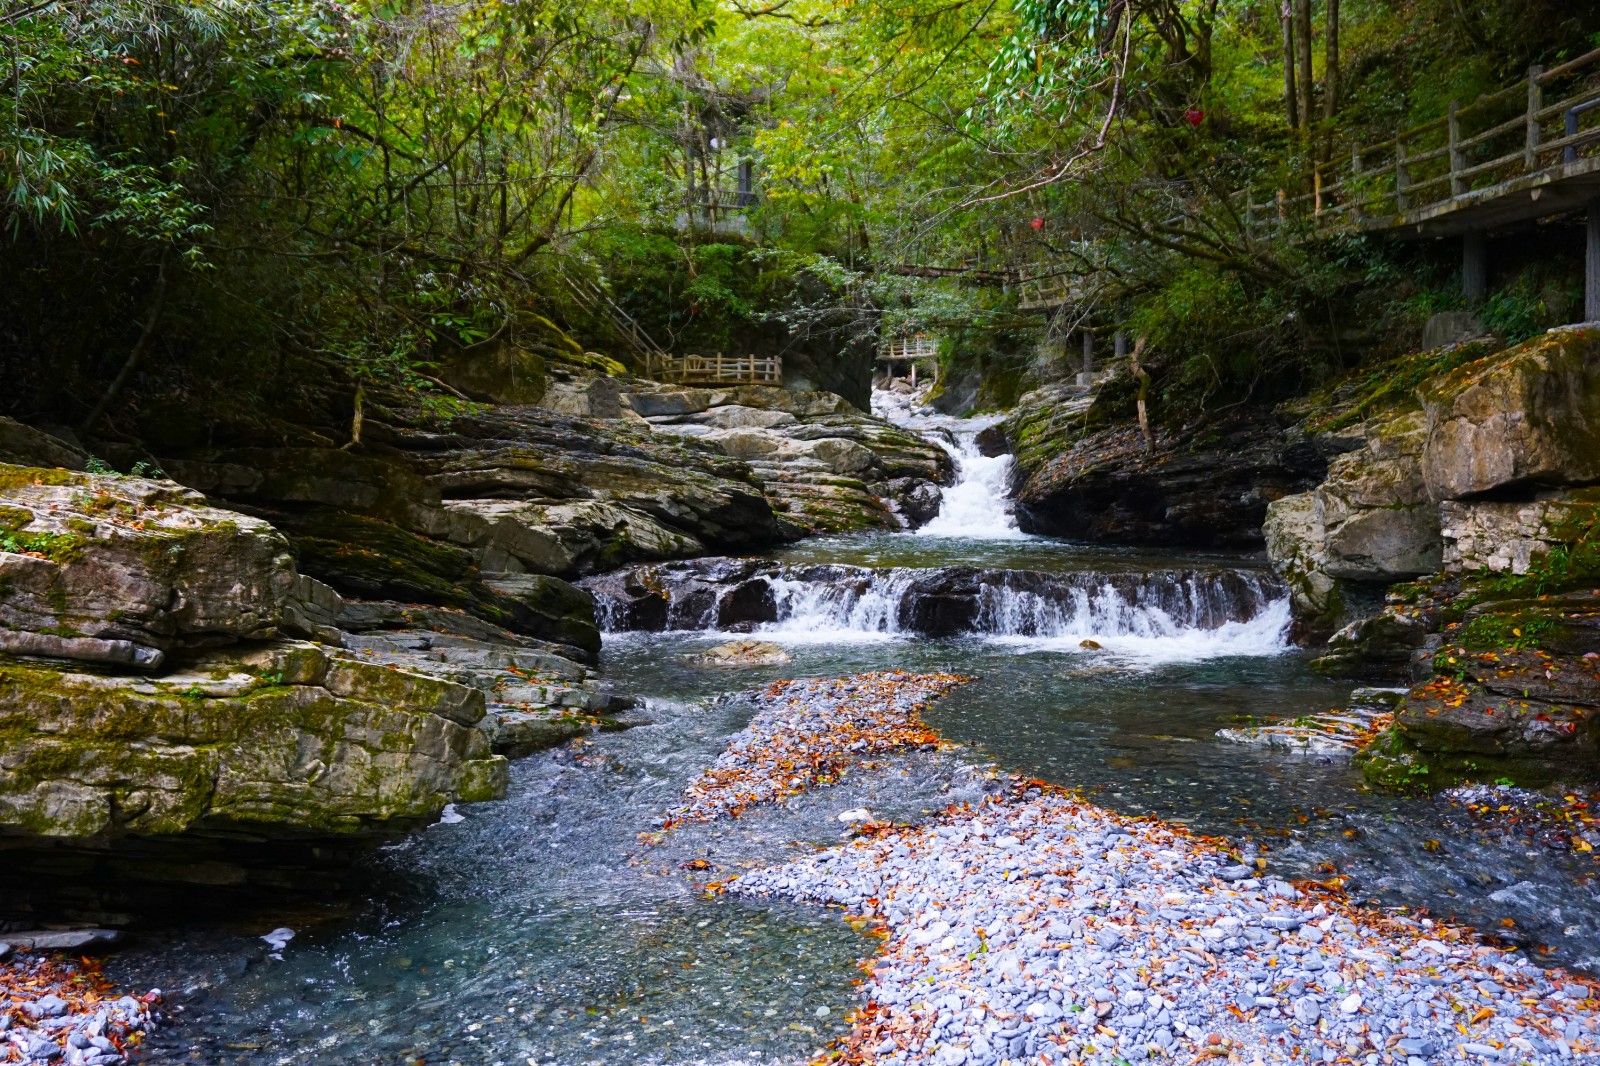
[(1036, 927)]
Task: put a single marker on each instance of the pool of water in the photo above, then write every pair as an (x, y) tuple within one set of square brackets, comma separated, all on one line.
[(1018, 552), (556, 926)]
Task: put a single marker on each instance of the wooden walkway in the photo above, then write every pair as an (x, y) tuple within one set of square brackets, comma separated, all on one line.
[(715, 369), (1527, 152), (1510, 156), (908, 349)]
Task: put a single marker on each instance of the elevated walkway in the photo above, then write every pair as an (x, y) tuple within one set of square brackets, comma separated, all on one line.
[(717, 369)]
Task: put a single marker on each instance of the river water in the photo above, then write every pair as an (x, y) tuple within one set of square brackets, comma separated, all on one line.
[(553, 927)]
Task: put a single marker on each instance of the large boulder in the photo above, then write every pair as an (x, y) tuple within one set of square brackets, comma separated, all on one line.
[(1109, 487), (246, 775), (285, 740), (1523, 418), (1381, 524), (1297, 544), (1370, 523), (121, 570)]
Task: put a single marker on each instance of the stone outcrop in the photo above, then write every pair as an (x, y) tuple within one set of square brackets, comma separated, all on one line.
[(1484, 479), (120, 570), (1409, 500), (825, 466), (289, 739), (1107, 486), (160, 729)]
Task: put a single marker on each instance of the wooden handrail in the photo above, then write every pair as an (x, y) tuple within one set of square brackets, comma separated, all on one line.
[(1570, 65)]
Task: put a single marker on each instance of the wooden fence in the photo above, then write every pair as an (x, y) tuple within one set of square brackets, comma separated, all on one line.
[(906, 349), (1495, 139), (715, 369)]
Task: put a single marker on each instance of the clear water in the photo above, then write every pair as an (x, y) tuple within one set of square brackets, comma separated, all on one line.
[(545, 929)]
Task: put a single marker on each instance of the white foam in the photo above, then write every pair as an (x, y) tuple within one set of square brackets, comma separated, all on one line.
[(978, 505)]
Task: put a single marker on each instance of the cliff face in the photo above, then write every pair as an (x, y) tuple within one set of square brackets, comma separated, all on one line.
[(1475, 490)]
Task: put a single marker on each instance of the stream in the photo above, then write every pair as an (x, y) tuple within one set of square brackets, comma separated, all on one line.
[(544, 929)]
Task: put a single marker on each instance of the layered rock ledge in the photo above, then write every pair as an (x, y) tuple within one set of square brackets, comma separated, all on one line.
[(1465, 503)]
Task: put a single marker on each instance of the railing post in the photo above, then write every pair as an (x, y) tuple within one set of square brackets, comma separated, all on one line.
[(1591, 279), (1530, 150), (1458, 185), (1355, 182), (1402, 176)]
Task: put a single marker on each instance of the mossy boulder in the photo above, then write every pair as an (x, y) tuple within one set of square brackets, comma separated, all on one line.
[(497, 373), (1529, 416), (122, 569), (285, 741)]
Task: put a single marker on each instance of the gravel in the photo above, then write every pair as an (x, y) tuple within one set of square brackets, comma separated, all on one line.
[(807, 733), (61, 1012), (1036, 927)]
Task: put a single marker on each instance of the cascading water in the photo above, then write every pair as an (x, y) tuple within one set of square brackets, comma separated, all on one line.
[(1164, 615), (978, 505)]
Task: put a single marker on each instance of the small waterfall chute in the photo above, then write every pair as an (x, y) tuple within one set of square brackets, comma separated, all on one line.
[(1159, 614), (978, 506)]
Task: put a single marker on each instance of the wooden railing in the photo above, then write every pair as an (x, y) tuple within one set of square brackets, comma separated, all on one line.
[(1494, 139), (1045, 292), (715, 369), (906, 349)]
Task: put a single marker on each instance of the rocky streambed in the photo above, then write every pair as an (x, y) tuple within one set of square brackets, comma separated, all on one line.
[(625, 901)]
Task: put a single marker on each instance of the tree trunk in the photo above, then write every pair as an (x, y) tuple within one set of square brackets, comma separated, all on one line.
[(1143, 375), (140, 346), (1302, 21), (1291, 102), (1330, 76)]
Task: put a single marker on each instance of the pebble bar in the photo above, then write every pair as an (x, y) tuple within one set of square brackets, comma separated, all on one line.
[(806, 732), (1038, 928), (61, 1012)]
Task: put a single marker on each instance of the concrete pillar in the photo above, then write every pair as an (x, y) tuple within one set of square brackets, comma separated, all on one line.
[(1591, 275), (1088, 352), (1474, 267), (1119, 343)]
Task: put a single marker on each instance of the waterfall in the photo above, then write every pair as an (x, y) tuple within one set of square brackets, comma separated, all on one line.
[(1161, 614), (978, 505)]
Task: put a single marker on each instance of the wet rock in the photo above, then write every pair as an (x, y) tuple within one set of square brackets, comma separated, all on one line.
[(78, 941), (550, 609), (1514, 714), (1377, 646), (744, 653), (916, 501)]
